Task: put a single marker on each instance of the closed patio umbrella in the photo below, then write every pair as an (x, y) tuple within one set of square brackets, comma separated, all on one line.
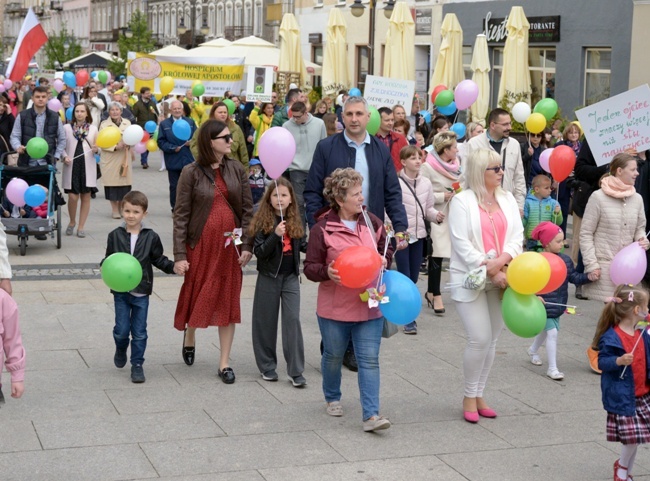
[(481, 67), (290, 51), (515, 77), (399, 61), (449, 66), (336, 74)]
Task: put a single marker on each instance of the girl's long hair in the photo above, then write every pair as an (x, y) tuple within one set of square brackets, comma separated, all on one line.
[(619, 306), (264, 219)]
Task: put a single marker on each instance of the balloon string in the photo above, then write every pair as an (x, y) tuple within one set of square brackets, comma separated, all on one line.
[(279, 203), (635, 344)]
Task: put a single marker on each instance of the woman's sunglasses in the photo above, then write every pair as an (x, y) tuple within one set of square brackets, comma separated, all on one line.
[(226, 138), (496, 169)]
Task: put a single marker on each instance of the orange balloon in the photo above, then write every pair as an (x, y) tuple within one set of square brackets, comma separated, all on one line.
[(558, 272), (358, 266), (562, 162)]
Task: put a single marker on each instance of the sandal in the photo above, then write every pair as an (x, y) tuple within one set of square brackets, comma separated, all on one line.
[(335, 409), (69, 230)]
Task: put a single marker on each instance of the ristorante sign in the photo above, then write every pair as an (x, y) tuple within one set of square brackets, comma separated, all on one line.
[(542, 29)]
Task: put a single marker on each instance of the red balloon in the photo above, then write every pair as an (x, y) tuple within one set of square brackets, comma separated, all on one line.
[(82, 77), (145, 137), (562, 162), (558, 272), (358, 266), (436, 91)]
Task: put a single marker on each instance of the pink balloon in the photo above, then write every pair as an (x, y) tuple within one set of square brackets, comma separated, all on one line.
[(2, 88), (629, 265), (140, 147), (545, 158), (277, 149), (7, 84), (16, 191), (465, 94), (58, 85), (54, 104)]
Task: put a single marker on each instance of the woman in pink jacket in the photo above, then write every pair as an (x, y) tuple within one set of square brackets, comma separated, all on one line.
[(12, 353), (342, 315)]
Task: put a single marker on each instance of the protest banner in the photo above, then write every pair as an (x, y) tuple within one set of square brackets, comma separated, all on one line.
[(388, 92), (617, 124), (259, 84), (217, 74)]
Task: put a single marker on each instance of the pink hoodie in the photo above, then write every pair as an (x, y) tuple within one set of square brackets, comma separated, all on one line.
[(12, 353)]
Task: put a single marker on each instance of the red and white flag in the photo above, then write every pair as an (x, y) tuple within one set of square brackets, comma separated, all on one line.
[(30, 39)]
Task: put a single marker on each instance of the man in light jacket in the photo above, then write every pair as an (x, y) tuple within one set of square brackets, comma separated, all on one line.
[(307, 131), (497, 138)]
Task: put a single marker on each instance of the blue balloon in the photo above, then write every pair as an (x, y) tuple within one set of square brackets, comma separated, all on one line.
[(94, 74), (426, 115), (68, 113), (354, 92), (448, 109), (459, 129), (182, 130), (405, 303), (35, 196), (150, 126), (69, 79)]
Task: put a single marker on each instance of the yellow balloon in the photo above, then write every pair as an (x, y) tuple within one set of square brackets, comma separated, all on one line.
[(108, 137), (152, 146), (195, 82), (529, 272), (159, 97), (166, 85), (536, 123)]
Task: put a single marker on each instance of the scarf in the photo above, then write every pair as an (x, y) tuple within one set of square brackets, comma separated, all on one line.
[(80, 132), (117, 122), (614, 187), (450, 170), (574, 145)]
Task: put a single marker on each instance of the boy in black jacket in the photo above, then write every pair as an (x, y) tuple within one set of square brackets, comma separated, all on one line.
[(131, 308)]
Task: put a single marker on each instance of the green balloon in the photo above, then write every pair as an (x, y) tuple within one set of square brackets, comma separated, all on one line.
[(37, 148), (198, 90), (155, 135), (374, 122), (121, 272), (231, 106), (444, 98), (546, 107), (102, 76), (523, 314)]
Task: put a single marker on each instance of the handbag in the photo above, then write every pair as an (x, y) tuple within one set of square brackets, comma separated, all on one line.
[(389, 329), (427, 224), (12, 159)]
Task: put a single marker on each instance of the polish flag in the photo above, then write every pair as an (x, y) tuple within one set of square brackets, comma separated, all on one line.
[(30, 39)]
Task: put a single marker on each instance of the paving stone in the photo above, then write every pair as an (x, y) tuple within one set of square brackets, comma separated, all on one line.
[(17, 435)]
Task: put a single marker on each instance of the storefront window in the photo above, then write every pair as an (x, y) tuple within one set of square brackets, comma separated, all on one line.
[(598, 70), (541, 62), (362, 66), (497, 69), (317, 57), (467, 61)]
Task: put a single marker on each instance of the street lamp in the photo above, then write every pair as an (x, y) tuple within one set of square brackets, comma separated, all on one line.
[(357, 9), (182, 28)]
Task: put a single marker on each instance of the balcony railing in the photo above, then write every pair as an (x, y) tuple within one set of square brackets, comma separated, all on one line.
[(235, 33)]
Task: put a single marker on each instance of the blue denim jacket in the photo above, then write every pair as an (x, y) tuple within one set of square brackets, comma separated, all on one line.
[(618, 394)]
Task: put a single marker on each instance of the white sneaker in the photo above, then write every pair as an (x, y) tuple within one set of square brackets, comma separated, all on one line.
[(555, 374), (534, 358), (375, 423), (161, 169)]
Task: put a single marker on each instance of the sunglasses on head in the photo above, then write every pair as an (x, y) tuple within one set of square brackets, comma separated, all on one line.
[(226, 138), (496, 169)]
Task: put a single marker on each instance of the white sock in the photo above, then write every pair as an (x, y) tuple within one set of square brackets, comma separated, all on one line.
[(551, 349), (537, 343), (628, 453)]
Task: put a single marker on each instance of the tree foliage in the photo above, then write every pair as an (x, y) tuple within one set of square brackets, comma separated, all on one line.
[(141, 40), (55, 48)]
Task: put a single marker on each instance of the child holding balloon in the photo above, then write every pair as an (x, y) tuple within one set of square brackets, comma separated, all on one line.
[(132, 302), (624, 380), (539, 207), (555, 295), (278, 231)]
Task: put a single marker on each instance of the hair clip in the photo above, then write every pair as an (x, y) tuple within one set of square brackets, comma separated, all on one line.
[(630, 297), (615, 300)]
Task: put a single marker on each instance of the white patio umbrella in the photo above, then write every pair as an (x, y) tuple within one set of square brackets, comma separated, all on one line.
[(336, 74), (449, 66), (399, 61), (481, 67), (290, 51), (515, 77)]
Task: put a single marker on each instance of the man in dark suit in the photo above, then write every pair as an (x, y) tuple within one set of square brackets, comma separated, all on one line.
[(176, 152)]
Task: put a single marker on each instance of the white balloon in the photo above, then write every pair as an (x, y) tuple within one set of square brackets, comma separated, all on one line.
[(521, 112), (132, 135)]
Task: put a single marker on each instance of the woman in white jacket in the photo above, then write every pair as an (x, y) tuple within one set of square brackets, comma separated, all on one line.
[(418, 199), (94, 103), (486, 230)]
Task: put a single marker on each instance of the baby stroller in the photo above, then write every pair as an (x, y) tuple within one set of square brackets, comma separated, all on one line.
[(24, 227)]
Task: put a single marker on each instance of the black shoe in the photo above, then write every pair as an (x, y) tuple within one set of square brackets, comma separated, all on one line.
[(271, 376), (120, 357), (298, 381), (137, 374), (350, 361), (227, 375), (188, 352), (93, 195), (40, 237), (2, 398), (145, 166)]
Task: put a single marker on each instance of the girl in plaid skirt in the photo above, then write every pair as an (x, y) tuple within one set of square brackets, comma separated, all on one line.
[(624, 381)]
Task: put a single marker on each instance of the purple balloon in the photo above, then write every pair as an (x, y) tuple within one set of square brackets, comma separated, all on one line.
[(277, 148), (465, 94), (58, 85), (16, 191), (140, 147), (545, 158), (7, 84), (629, 265), (54, 104)]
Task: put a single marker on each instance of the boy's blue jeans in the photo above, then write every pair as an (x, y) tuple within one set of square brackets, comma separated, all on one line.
[(131, 318)]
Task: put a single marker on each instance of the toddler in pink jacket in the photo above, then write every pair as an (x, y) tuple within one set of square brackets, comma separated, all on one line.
[(12, 353)]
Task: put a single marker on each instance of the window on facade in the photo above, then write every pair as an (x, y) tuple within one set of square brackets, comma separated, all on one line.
[(248, 15), (238, 14), (229, 14), (259, 18), (497, 69), (319, 3), (220, 20), (598, 71), (467, 61), (317, 57), (541, 62), (362, 66)]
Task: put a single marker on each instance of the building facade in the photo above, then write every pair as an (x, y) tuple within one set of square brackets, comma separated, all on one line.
[(109, 19)]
